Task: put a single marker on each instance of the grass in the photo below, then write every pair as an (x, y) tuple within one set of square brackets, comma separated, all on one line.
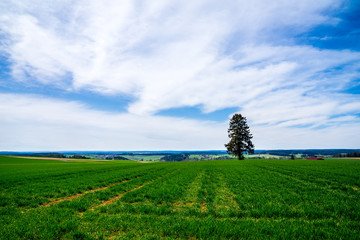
[(251, 199)]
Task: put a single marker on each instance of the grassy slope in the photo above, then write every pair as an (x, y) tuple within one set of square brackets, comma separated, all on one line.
[(276, 199)]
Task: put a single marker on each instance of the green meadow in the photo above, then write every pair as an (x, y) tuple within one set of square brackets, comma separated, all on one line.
[(227, 199)]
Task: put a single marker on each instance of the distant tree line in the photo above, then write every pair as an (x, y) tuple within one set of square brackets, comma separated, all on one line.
[(78, 157), (57, 155), (354, 154), (116, 158), (175, 157), (49, 154), (309, 152)]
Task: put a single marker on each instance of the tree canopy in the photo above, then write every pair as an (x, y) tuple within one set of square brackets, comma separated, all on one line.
[(240, 137)]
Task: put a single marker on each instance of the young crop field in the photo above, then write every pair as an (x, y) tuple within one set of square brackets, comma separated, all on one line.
[(227, 199)]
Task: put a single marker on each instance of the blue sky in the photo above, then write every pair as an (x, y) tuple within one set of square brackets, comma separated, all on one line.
[(167, 75)]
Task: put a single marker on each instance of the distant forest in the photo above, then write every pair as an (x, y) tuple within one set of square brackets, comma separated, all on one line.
[(310, 152), (355, 154)]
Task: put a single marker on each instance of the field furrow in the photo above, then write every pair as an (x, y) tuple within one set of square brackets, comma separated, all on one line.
[(110, 201), (191, 195), (80, 194), (225, 203)]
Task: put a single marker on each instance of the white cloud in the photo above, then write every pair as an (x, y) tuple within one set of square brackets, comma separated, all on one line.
[(36, 123), (306, 138), (167, 54), (40, 124)]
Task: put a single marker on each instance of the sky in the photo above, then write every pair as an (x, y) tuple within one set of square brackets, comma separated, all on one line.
[(168, 75)]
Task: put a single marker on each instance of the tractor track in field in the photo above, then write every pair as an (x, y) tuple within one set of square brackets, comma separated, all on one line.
[(190, 198), (111, 200), (90, 191), (86, 192)]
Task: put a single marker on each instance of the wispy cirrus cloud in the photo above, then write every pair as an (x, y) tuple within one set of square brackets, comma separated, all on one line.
[(216, 55)]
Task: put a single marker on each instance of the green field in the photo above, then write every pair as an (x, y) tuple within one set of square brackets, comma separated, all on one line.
[(230, 199)]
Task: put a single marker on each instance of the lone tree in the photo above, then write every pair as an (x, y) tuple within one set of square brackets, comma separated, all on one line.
[(240, 137)]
